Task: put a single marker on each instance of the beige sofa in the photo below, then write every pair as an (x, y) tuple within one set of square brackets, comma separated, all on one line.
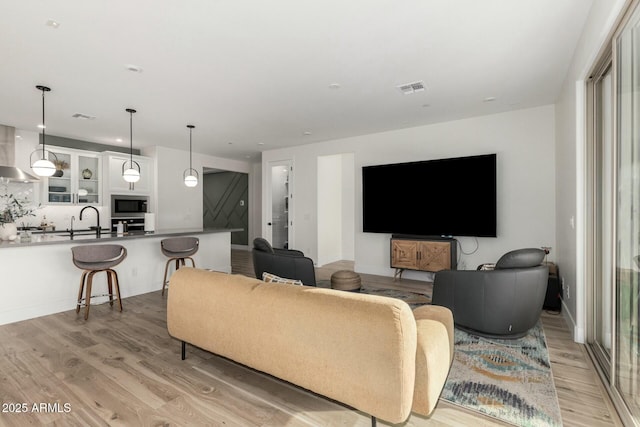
[(369, 352)]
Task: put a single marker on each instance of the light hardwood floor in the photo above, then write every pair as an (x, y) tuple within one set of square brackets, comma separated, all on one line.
[(124, 369)]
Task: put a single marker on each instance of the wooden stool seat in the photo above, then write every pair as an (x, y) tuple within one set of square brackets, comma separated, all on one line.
[(178, 249), (92, 259), (346, 280)]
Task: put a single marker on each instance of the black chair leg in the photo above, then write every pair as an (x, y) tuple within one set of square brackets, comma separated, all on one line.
[(184, 345), (373, 421)]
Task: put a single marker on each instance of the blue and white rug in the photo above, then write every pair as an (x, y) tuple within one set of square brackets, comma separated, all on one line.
[(510, 380)]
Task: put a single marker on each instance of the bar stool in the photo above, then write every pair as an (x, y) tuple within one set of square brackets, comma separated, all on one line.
[(92, 259), (178, 249)]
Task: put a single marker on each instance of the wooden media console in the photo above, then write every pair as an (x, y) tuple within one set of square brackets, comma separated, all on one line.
[(422, 254)]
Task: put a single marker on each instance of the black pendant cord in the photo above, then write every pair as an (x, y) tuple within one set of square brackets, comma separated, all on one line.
[(43, 126), (43, 89), (191, 127), (131, 139), (131, 111)]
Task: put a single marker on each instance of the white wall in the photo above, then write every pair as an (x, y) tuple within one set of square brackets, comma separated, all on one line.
[(348, 206), (570, 164), (336, 208), (255, 200), (176, 205), (523, 141), (330, 206)]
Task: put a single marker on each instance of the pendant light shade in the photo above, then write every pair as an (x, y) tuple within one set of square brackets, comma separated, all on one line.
[(190, 175), (42, 161), (130, 168)]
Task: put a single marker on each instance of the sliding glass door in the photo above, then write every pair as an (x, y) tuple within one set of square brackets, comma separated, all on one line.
[(627, 218), (601, 166), (613, 216)]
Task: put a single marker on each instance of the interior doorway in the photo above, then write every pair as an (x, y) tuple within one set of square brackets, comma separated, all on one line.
[(225, 202), (336, 208), (279, 230)]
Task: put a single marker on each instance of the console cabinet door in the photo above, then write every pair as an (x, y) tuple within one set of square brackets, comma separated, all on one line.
[(434, 256), (404, 254)]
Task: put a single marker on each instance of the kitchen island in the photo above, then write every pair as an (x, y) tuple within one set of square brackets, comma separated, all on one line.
[(39, 278)]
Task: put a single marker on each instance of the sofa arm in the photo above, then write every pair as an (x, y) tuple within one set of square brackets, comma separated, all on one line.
[(434, 355)]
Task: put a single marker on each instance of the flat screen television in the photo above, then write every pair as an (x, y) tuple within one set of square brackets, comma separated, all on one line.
[(445, 197)]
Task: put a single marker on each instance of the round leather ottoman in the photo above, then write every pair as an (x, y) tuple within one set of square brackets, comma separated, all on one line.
[(346, 280)]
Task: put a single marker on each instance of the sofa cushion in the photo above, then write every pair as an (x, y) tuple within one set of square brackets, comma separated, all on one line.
[(262, 245), (272, 278), (521, 258)]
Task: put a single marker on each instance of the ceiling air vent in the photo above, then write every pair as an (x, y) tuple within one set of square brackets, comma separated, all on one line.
[(83, 116), (409, 88)]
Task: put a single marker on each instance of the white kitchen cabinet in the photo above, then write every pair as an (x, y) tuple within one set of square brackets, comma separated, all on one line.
[(78, 179), (117, 185)]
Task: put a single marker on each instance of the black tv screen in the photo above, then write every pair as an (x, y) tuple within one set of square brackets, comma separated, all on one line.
[(445, 197)]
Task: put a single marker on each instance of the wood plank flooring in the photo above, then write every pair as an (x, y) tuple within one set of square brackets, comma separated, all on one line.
[(124, 369)]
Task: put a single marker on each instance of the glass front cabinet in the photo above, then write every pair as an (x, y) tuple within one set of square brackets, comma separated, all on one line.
[(77, 178)]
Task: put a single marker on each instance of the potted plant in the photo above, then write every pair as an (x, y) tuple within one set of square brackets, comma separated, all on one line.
[(60, 165), (12, 208)]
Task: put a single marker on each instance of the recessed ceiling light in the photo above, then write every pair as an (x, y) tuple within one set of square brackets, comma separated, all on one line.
[(133, 68), (53, 24), (307, 133), (334, 86), (19, 136), (260, 143), (41, 126), (489, 99), (118, 139)]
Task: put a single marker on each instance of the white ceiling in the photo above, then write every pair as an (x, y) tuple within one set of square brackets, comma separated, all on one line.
[(256, 75)]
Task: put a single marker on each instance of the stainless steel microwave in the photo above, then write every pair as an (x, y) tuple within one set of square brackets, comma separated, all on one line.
[(128, 206)]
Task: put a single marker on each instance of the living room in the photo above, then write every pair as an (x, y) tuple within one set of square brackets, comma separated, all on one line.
[(538, 141)]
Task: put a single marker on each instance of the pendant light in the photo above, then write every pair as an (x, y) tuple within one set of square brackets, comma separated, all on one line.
[(190, 175), (130, 168), (42, 164)]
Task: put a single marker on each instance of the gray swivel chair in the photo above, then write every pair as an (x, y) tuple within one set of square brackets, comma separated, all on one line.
[(286, 263), (501, 303)]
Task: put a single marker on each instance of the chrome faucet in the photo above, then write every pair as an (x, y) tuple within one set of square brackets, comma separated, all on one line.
[(70, 230), (97, 218)]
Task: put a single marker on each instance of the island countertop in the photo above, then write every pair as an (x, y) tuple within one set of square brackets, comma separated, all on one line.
[(39, 277), (64, 237)]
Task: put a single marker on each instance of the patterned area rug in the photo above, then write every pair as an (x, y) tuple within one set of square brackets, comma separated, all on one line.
[(509, 380), (506, 379)]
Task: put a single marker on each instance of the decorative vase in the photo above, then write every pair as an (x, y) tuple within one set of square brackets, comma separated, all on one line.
[(87, 174), (8, 231), (58, 173)]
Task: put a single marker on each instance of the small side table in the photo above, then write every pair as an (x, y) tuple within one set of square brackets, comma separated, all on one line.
[(553, 298)]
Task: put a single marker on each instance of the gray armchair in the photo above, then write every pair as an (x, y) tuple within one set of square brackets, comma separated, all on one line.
[(502, 303), (287, 263)]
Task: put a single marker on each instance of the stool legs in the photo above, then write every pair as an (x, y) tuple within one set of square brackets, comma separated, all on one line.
[(82, 279), (178, 262), (86, 283)]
